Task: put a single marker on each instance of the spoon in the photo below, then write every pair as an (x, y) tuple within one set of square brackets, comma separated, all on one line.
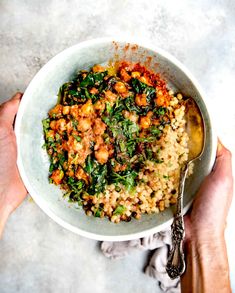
[(196, 131)]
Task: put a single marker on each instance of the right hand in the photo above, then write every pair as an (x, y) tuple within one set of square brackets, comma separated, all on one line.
[(207, 219)]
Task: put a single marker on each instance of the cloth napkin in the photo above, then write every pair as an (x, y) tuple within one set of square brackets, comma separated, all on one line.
[(160, 242)]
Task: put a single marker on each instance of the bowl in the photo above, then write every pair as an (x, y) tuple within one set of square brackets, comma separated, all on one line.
[(41, 95)]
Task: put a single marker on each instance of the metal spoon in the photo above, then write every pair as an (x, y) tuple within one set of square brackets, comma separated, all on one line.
[(196, 131)]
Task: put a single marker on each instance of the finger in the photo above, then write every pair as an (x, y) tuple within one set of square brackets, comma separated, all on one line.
[(223, 164), (17, 96), (220, 148), (9, 109)]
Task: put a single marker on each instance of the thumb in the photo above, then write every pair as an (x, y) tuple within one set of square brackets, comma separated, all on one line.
[(9, 109), (223, 166)]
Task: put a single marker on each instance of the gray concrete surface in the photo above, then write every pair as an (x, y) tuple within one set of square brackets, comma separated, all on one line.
[(37, 255)]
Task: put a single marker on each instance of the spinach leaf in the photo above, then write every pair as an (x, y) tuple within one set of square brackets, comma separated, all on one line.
[(89, 165), (122, 145), (155, 130), (138, 86), (74, 124), (97, 213), (63, 93), (98, 174), (129, 128), (74, 93), (52, 167), (127, 178), (160, 111), (46, 125), (76, 185), (119, 210), (130, 147), (149, 153), (61, 158), (150, 94), (109, 108), (132, 107), (93, 79), (146, 139), (78, 138)]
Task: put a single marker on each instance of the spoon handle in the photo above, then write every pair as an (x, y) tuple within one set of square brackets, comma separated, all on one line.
[(176, 265)]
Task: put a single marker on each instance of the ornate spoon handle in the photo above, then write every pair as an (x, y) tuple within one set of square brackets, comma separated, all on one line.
[(176, 265)]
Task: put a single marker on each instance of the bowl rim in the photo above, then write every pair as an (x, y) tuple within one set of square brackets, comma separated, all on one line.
[(26, 96)]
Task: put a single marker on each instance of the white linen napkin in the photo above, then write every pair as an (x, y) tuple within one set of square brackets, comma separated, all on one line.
[(160, 242)]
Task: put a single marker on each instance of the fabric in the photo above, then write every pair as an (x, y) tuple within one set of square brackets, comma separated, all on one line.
[(160, 242)]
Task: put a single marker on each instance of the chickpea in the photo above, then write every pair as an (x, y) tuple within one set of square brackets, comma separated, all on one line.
[(94, 91), (145, 122), (126, 114), (150, 114), (77, 146), (110, 96), (156, 122), (99, 106), (120, 87), (69, 127), (118, 167), (131, 116), (53, 124), (87, 109), (57, 176), (61, 124), (81, 174), (141, 100), (135, 74), (98, 68), (98, 142), (84, 124), (56, 111), (65, 165), (66, 110), (124, 75), (71, 173), (160, 100), (102, 154), (145, 79), (99, 127), (74, 111), (51, 134)]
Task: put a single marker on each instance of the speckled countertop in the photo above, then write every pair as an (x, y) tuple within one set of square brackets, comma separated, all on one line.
[(37, 255)]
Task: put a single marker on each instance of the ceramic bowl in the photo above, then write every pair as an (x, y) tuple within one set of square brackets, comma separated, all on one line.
[(41, 95)]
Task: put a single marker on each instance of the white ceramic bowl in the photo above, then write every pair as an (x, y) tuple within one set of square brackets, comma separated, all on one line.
[(41, 95)]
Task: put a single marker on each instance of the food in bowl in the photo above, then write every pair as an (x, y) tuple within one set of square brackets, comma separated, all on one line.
[(116, 141)]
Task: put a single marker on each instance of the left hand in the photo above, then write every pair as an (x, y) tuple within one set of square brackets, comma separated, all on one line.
[(12, 190)]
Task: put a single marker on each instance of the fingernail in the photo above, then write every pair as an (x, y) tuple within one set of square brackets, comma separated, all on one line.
[(219, 146)]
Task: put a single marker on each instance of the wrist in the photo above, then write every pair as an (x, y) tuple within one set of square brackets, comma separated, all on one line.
[(206, 261), (203, 237)]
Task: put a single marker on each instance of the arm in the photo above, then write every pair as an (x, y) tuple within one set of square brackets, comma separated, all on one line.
[(205, 247), (12, 190), (207, 267)]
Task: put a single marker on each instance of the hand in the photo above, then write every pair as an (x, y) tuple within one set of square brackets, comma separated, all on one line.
[(208, 216), (12, 190), (207, 268)]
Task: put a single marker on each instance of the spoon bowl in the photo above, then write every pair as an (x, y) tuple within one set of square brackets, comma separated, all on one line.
[(195, 128)]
